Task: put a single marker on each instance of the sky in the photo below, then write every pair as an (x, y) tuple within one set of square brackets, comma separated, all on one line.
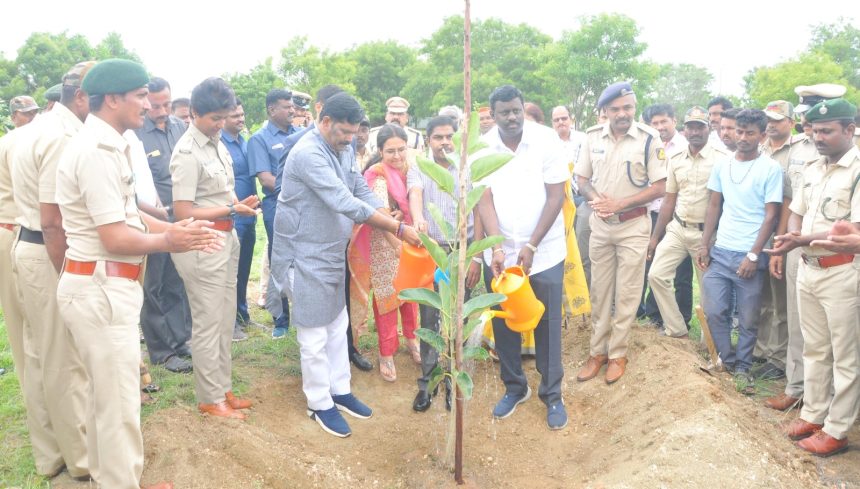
[(187, 41)]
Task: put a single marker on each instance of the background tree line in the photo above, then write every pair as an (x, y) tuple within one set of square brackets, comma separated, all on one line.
[(571, 70)]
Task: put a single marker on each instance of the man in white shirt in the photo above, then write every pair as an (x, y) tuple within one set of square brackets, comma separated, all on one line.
[(523, 204)]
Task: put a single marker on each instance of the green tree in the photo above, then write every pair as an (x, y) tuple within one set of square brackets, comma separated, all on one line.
[(777, 82), (841, 41), (381, 70), (604, 50), (682, 85), (113, 47), (44, 58), (308, 68), (252, 87)]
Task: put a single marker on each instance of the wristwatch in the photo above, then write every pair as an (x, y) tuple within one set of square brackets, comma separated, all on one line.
[(531, 247), (752, 257), (232, 211)]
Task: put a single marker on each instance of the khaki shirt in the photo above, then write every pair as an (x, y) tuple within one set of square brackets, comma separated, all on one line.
[(795, 152), (95, 187), (34, 170), (202, 170), (829, 193), (605, 160), (688, 177), (8, 209)]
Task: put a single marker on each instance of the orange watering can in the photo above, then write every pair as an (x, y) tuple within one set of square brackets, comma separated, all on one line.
[(521, 310), (416, 268)]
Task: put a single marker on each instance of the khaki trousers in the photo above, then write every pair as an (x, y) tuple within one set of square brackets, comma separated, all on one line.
[(830, 321), (57, 383), (772, 340), (210, 282), (103, 315), (678, 243), (10, 303), (617, 254), (794, 356)]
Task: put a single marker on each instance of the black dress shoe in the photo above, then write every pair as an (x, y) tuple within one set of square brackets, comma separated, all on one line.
[(178, 365), (422, 402), (360, 362)]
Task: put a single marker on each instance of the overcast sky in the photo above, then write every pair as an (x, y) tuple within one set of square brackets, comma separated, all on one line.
[(186, 41)]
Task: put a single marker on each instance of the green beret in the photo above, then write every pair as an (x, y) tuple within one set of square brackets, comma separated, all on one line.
[(831, 110), (114, 76), (53, 93)]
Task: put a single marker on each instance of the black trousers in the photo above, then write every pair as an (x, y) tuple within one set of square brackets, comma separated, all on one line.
[(165, 317)]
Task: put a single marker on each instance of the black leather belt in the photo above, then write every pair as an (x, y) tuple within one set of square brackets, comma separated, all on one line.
[(31, 236), (697, 225)]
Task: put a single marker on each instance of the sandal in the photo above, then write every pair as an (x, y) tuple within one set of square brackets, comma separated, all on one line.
[(413, 346), (386, 369)]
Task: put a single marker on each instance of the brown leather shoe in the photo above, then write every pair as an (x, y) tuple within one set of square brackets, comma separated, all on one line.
[(160, 485), (222, 410), (823, 445), (781, 402), (237, 403), (615, 369), (591, 367), (799, 429)]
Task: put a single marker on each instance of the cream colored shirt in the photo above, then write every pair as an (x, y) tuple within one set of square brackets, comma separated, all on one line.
[(34, 170), (792, 155), (8, 209), (688, 177), (829, 193), (202, 170), (616, 167), (95, 187)]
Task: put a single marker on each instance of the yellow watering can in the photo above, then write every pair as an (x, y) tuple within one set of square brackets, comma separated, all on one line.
[(416, 268), (522, 310)]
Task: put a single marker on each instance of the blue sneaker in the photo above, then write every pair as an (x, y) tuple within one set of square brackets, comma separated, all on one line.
[(331, 421), (349, 404), (556, 416), (508, 404), (279, 333)]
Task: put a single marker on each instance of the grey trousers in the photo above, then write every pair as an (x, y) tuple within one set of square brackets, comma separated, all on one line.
[(547, 286), (583, 235), (165, 318)]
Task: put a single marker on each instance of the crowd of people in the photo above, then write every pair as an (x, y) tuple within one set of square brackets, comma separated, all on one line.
[(125, 210)]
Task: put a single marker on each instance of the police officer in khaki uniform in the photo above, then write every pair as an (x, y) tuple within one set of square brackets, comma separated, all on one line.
[(621, 168), (301, 105), (202, 172), (56, 379), (398, 113), (681, 221), (792, 152), (828, 288), (99, 291)]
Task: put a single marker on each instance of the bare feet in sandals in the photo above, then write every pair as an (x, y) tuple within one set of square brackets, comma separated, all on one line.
[(386, 368)]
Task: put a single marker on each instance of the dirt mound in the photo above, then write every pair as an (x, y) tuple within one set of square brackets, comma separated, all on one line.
[(666, 423)]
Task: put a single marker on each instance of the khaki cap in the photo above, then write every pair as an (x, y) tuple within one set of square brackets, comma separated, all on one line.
[(397, 105)]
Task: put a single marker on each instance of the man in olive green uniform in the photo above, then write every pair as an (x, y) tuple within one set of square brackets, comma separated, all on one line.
[(621, 168), (397, 112), (682, 216), (55, 375), (99, 292), (828, 285), (791, 152)]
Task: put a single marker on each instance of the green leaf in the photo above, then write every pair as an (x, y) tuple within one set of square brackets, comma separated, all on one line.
[(423, 296), (475, 353), (445, 295), (488, 164), (445, 226), (432, 338), (477, 147), (457, 140), (435, 250), (436, 376), (474, 133), (471, 325), (464, 382), (474, 196), (481, 302), (482, 244), (440, 175)]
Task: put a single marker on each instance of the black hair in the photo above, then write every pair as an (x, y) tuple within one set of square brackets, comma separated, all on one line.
[(752, 117), (342, 107), (157, 84), (721, 101), (505, 93), (67, 93), (238, 102), (327, 91), (212, 95), (277, 94), (439, 121), (730, 114), (181, 102), (657, 109), (96, 102), (386, 132)]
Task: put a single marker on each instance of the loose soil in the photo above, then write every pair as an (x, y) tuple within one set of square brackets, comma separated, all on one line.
[(666, 423)]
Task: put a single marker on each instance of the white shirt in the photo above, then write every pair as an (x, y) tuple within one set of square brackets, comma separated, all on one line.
[(144, 186), (675, 145), (519, 194)]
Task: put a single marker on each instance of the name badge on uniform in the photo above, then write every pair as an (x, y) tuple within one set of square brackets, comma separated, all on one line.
[(154, 154), (597, 150), (278, 146), (795, 161)]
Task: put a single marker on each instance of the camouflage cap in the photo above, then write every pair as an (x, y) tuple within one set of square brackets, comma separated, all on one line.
[(696, 114), (779, 110), (75, 76), (836, 109), (22, 103), (53, 94)]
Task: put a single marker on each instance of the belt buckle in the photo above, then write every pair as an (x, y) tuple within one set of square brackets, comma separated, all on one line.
[(613, 219)]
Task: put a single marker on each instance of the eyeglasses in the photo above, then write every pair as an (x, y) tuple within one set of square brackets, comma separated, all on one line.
[(394, 151), (561, 119)]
